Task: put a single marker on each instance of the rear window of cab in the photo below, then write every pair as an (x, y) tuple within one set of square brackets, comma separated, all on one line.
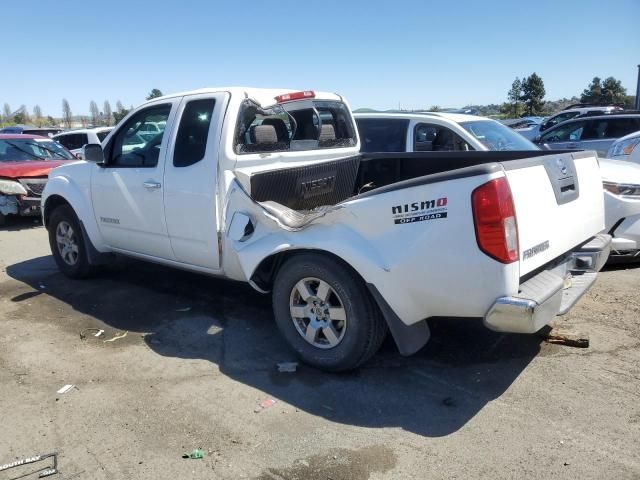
[(294, 126)]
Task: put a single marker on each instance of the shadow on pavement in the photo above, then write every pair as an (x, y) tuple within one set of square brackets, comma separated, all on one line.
[(15, 224), (432, 393)]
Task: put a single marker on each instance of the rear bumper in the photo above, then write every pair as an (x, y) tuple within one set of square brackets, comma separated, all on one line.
[(551, 292)]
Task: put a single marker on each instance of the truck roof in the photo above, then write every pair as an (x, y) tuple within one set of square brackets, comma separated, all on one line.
[(455, 117), (264, 96)]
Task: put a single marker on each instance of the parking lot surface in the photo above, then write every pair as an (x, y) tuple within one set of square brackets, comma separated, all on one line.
[(200, 356)]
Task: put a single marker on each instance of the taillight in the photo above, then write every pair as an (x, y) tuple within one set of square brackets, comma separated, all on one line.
[(288, 97), (494, 216)]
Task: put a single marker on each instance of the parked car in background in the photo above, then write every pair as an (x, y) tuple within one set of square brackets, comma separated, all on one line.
[(269, 187), (150, 130), (590, 132), (626, 148), (25, 163), (621, 181), (31, 130), (572, 111), (520, 123), (74, 140), (435, 131), (410, 132)]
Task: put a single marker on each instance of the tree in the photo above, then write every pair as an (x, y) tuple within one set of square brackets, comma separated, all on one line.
[(593, 92), (19, 117), (51, 121), (6, 113), (25, 118), (107, 112), (37, 115), (608, 91), (95, 113), (66, 113), (155, 93), (533, 94), (514, 95), (120, 112), (433, 108)]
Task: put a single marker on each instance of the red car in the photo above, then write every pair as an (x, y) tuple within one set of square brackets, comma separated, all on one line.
[(25, 163)]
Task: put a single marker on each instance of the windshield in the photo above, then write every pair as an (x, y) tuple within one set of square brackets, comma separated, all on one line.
[(299, 125), (19, 150), (496, 136)]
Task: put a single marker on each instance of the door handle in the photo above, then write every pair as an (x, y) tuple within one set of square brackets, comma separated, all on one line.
[(572, 145), (151, 185)]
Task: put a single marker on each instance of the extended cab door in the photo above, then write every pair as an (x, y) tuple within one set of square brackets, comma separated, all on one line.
[(191, 178), (127, 191)]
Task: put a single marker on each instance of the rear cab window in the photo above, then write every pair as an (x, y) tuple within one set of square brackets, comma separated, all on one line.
[(383, 134), (294, 126)]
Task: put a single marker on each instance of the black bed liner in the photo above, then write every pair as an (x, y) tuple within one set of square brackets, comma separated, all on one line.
[(329, 183)]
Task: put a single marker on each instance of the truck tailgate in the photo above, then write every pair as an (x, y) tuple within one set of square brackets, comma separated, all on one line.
[(559, 204)]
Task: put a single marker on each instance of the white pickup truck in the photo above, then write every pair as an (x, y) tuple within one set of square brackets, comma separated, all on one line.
[(269, 187)]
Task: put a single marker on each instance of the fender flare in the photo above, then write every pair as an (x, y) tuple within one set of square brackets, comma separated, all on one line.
[(364, 260), (62, 188)]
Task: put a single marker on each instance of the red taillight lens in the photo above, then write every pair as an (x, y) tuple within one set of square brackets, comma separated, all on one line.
[(495, 219), (288, 97)]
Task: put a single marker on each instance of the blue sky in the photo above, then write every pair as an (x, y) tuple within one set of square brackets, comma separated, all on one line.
[(378, 54)]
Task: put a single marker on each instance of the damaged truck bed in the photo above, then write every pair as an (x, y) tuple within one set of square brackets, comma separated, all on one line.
[(350, 246)]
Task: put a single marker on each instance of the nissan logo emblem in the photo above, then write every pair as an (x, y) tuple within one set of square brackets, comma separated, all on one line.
[(562, 166)]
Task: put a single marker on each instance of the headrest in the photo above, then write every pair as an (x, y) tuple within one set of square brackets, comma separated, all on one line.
[(327, 132), (263, 134), (281, 128)]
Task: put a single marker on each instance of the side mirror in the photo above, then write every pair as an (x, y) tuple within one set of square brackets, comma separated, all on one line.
[(545, 146), (93, 153)]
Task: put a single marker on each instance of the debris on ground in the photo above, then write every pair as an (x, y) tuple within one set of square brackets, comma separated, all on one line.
[(195, 453), (97, 332), (264, 404), (569, 339), (287, 367), (45, 472), (183, 309), (117, 337), (65, 389)]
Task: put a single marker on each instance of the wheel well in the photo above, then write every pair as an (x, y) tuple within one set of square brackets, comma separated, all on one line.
[(53, 202), (265, 274)]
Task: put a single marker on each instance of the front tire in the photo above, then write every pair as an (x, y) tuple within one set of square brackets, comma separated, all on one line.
[(325, 312), (67, 243)]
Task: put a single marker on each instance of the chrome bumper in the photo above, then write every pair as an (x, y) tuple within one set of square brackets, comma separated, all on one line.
[(551, 292)]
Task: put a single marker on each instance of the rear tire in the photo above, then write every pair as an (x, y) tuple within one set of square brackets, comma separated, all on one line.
[(67, 243), (325, 313)]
